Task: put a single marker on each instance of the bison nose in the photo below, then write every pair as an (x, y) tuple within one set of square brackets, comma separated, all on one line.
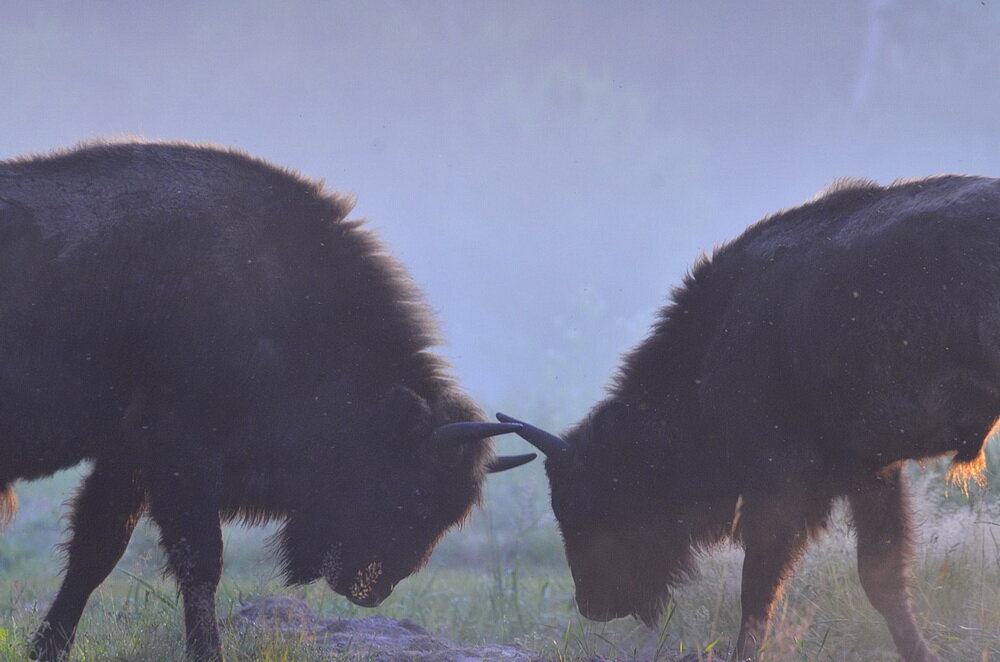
[(595, 611), (375, 595), (370, 600)]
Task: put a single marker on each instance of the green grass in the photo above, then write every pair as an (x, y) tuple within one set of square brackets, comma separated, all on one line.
[(503, 579)]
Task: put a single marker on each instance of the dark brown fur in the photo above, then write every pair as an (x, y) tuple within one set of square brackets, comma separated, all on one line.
[(803, 363), (212, 334)]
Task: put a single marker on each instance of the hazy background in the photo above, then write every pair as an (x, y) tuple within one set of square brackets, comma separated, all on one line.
[(546, 170)]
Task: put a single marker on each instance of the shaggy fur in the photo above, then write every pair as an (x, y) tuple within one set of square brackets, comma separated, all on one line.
[(213, 334), (8, 504), (803, 363)]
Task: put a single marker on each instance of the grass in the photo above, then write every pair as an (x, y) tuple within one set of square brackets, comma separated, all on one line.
[(503, 579)]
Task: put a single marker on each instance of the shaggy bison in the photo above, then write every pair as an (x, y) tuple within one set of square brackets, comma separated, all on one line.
[(806, 361), (212, 334)]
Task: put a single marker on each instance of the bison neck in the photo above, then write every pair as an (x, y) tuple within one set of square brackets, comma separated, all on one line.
[(664, 435)]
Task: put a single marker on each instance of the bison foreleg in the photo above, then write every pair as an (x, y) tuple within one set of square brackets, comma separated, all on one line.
[(882, 519), (774, 531), (183, 505), (105, 512)]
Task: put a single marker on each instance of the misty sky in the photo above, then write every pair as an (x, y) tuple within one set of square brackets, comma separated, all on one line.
[(546, 170)]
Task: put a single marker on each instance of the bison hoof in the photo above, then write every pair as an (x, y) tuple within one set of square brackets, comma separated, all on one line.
[(49, 646)]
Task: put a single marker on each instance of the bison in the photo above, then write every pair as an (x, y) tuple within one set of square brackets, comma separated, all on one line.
[(804, 362), (221, 344)]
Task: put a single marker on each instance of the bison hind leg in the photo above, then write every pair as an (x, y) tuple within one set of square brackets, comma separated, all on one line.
[(8, 504)]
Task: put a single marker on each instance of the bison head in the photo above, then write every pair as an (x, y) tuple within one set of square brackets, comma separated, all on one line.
[(624, 549), (379, 501)]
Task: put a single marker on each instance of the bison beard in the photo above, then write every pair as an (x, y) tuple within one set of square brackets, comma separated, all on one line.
[(805, 362), (220, 343)]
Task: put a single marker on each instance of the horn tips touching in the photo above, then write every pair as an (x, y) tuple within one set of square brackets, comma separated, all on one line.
[(544, 441), (505, 427), (468, 431)]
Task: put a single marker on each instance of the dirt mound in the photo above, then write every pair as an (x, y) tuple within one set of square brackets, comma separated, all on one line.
[(374, 638)]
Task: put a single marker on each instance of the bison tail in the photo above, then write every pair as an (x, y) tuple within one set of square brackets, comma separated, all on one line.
[(8, 504), (970, 467), (962, 472)]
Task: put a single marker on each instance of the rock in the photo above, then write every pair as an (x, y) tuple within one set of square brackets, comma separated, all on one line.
[(281, 609), (374, 638), (700, 657)]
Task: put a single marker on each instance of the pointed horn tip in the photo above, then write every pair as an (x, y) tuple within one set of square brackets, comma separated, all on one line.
[(544, 441), (505, 462), (504, 418), (472, 431)]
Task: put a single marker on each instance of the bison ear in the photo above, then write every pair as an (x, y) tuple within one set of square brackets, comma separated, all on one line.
[(401, 411)]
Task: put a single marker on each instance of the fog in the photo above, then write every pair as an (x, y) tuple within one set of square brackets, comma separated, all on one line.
[(546, 170)]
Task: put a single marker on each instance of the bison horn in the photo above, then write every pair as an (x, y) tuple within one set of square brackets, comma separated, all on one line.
[(466, 431), (505, 462), (446, 441), (548, 443)]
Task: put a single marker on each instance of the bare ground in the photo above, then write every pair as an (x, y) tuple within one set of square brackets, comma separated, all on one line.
[(381, 639)]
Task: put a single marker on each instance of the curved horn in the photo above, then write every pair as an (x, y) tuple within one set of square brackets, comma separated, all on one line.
[(466, 431), (548, 443), (505, 462)]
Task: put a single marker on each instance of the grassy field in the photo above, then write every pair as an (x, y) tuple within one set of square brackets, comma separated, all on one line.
[(503, 578)]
